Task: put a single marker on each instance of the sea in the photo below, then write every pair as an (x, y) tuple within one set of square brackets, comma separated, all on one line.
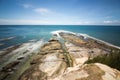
[(11, 35)]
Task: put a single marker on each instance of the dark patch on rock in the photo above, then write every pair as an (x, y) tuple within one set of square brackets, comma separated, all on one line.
[(9, 67)]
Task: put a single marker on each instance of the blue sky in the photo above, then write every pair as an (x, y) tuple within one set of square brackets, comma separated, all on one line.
[(64, 12)]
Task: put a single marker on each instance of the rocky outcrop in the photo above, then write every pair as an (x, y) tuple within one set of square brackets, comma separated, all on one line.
[(95, 71), (82, 54), (50, 64)]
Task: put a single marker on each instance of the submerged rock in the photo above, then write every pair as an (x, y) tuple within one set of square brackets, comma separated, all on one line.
[(9, 67), (15, 60)]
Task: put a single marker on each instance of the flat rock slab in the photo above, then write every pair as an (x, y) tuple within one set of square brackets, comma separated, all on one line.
[(49, 65)]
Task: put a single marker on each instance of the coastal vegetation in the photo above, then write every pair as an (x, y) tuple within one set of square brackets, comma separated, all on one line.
[(112, 59), (100, 51)]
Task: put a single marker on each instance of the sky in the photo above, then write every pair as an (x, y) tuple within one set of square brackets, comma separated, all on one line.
[(59, 12)]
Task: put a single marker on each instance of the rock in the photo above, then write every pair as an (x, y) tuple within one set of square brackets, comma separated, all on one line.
[(52, 64), (7, 62), (52, 40), (110, 74), (49, 65), (36, 59), (85, 72), (20, 58), (73, 38), (63, 60), (52, 45), (79, 54), (33, 73), (9, 67), (95, 71), (6, 51)]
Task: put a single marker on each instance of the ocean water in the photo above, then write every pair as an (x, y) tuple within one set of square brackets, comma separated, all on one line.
[(24, 33)]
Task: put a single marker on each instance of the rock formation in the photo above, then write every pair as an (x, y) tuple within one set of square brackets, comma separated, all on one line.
[(62, 59), (51, 64)]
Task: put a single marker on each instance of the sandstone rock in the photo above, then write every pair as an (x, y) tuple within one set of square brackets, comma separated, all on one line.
[(72, 38), (95, 71), (47, 66), (51, 64)]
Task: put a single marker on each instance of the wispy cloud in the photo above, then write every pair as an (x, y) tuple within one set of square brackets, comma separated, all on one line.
[(111, 22), (26, 22), (43, 11), (27, 5), (82, 23), (40, 10), (39, 22)]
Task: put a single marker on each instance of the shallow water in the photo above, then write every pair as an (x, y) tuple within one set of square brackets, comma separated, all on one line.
[(24, 33)]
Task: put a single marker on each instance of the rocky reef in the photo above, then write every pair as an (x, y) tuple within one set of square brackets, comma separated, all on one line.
[(60, 59)]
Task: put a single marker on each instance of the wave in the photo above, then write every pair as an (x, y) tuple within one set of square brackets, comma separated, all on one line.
[(32, 40), (6, 39), (59, 31)]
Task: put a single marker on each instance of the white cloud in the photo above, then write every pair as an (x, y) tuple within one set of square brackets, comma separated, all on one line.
[(40, 22), (82, 23), (27, 5), (26, 22), (111, 22), (52, 22), (43, 11)]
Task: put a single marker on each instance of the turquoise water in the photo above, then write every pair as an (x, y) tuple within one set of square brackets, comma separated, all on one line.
[(24, 33)]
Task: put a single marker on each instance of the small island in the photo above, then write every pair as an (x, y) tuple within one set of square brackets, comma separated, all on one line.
[(66, 56)]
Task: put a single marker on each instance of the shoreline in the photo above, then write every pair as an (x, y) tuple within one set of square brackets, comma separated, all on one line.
[(57, 33), (85, 36), (109, 44)]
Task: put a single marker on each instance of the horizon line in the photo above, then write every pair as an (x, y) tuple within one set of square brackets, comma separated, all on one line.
[(62, 24)]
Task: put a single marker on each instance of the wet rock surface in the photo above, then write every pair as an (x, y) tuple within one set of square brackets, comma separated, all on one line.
[(15, 60)]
